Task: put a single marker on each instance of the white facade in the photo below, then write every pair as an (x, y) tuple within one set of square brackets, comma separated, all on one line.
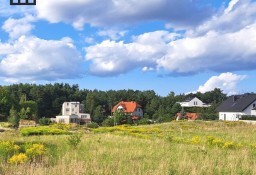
[(72, 112), (230, 116), (67, 119), (235, 116), (69, 108), (195, 102)]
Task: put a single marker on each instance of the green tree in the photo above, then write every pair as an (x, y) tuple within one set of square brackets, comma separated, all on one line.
[(98, 115), (13, 117), (120, 117)]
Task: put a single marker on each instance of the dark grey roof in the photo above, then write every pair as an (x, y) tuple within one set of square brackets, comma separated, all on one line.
[(237, 103), (188, 99)]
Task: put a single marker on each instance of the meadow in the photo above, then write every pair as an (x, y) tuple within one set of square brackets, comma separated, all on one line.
[(178, 148)]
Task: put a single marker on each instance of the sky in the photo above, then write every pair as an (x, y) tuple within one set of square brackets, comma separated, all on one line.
[(178, 46)]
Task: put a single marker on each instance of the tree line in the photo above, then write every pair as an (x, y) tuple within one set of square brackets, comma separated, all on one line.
[(31, 101)]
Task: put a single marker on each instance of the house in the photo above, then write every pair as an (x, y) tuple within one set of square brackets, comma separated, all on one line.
[(131, 108), (237, 105), (189, 116), (72, 112), (192, 102)]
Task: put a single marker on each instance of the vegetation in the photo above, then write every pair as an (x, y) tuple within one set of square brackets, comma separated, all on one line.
[(42, 130), (178, 147), (30, 101)]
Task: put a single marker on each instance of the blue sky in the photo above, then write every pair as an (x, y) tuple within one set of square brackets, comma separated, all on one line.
[(163, 45)]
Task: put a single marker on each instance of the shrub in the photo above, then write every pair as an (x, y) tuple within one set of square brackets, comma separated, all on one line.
[(74, 140), (92, 125), (36, 151), (42, 130), (44, 121), (144, 121), (229, 145), (248, 117), (108, 122), (18, 159), (195, 140), (8, 149)]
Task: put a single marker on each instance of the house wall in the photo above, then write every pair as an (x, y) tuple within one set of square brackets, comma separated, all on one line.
[(67, 119), (69, 108), (194, 102), (138, 112), (84, 117), (249, 111), (230, 116)]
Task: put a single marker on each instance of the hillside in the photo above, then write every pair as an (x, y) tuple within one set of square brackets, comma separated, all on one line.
[(169, 148)]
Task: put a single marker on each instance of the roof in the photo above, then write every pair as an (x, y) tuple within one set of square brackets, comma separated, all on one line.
[(127, 106), (188, 99), (237, 103)]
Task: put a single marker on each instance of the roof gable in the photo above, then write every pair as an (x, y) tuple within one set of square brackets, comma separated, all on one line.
[(127, 106), (237, 103)]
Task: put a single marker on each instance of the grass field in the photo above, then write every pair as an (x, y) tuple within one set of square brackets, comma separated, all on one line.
[(177, 148)]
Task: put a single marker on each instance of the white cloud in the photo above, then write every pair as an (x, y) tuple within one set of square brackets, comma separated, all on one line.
[(238, 15), (112, 12), (225, 81), (18, 27), (147, 69), (111, 58), (31, 58), (213, 51), (112, 34), (165, 51)]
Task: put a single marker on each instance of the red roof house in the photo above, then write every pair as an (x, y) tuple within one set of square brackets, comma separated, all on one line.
[(132, 108)]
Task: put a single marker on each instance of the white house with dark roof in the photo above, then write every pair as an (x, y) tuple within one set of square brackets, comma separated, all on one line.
[(193, 102), (237, 105)]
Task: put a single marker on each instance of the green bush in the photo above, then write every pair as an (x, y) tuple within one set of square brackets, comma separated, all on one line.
[(92, 125), (42, 130), (248, 117), (144, 121), (7, 149), (108, 122), (74, 140), (44, 121)]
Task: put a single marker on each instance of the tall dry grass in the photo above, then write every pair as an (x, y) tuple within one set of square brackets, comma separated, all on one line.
[(118, 153)]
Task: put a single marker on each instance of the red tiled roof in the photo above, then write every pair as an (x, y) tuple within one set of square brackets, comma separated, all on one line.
[(128, 107)]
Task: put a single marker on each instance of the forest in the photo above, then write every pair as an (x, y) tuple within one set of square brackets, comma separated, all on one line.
[(31, 101)]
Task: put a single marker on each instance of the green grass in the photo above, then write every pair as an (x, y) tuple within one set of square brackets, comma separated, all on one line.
[(171, 148)]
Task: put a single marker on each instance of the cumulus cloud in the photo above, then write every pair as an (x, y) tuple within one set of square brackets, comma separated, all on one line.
[(225, 81), (159, 49), (213, 51), (32, 58), (111, 12), (112, 34), (112, 58), (238, 15), (18, 27), (216, 48)]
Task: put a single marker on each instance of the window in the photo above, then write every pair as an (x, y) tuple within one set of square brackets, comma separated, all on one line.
[(254, 105), (83, 116), (22, 2), (61, 120), (67, 109)]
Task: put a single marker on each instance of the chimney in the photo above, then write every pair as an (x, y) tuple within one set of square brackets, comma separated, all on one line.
[(235, 98)]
